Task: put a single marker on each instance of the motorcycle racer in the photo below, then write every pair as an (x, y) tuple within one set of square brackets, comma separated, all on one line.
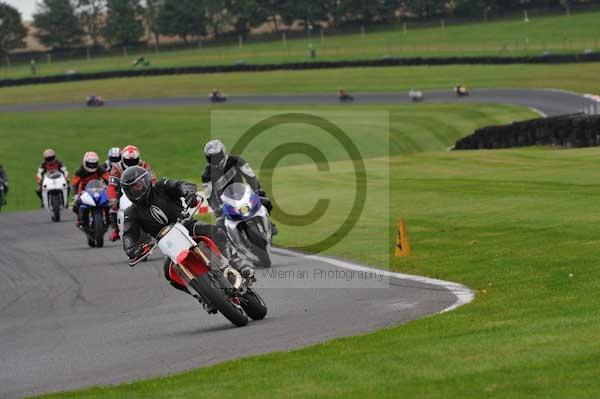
[(130, 156), (223, 170), (49, 164), (88, 171), (3, 185), (156, 205), (114, 157)]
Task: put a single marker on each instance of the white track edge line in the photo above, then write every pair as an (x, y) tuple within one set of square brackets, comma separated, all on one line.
[(537, 111), (462, 293)]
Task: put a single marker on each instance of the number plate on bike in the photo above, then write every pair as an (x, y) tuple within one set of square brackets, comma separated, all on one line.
[(176, 241)]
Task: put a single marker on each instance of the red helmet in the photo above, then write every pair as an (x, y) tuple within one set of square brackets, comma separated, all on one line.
[(130, 156), (49, 155), (91, 161)]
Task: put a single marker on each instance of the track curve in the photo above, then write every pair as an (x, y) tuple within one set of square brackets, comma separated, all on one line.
[(72, 317), (547, 101)]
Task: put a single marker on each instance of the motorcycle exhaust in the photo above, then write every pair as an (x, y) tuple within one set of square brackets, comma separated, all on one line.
[(233, 276)]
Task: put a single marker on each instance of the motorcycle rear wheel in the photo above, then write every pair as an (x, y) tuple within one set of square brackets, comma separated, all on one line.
[(207, 289)]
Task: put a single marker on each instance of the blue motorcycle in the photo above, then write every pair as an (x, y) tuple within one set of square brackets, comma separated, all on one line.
[(95, 208)]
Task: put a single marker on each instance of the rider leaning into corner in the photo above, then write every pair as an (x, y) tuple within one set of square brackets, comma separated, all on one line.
[(221, 171), (89, 170), (130, 156), (49, 164), (3, 184), (156, 205)]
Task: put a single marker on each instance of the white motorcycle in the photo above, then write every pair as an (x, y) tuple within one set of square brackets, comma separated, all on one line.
[(54, 193), (247, 224)]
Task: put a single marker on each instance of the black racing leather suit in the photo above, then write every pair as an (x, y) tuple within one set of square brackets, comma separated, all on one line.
[(3, 184), (161, 208)]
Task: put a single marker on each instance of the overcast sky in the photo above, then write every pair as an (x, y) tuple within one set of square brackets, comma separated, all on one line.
[(25, 6)]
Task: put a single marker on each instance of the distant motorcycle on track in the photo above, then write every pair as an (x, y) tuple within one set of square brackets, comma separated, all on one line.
[(54, 193), (197, 264), (247, 224), (461, 90), (95, 208), (2, 195)]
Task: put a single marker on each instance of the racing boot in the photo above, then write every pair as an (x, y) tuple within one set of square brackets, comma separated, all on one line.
[(114, 235), (240, 265)]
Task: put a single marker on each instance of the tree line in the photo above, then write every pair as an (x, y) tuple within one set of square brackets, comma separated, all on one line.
[(63, 24)]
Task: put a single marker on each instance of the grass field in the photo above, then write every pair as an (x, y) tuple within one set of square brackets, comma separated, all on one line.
[(516, 37), (517, 226), (581, 78)]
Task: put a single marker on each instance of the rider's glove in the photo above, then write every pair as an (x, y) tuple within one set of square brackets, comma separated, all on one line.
[(191, 200), (114, 203)]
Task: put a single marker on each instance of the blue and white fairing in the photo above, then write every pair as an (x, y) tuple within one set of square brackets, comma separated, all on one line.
[(240, 202), (95, 195), (242, 207)]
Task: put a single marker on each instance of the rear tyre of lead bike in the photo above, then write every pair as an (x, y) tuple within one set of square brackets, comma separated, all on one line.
[(259, 245), (253, 305), (205, 287), (55, 206), (99, 228)]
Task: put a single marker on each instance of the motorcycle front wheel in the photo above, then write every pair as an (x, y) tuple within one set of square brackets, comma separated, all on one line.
[(99, 228), (205, 286), (55, 205), (253, 305), (258, 244)]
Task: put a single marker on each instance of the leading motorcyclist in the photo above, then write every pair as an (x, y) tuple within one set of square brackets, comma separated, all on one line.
[(3, 185), (49, 164), (130, 156), (156, 205), (221, 171), (89, 170)]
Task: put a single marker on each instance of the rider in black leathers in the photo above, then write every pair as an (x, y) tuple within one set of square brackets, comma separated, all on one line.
[(221, 171), (3, 184), (158, 205)]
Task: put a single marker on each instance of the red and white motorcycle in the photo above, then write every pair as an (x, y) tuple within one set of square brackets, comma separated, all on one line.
[(197, 264)]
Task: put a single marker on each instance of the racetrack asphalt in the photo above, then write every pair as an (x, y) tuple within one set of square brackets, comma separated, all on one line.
[(549, 102), (72, 317)]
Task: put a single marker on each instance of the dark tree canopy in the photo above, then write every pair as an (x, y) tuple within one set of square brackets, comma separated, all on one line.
[(183, 18), (123, 22), (58, 25), (12, 31), (91, 15)]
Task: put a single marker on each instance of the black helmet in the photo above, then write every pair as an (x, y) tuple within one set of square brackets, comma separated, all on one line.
[(215, 153), (136, 182)]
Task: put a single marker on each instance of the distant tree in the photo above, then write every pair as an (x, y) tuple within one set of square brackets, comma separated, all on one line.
[(90, 13), (123, 22), (425, 8), (217, 15), (58, 25), (247, 14), (182, 18), (12, 31), (151, 13)]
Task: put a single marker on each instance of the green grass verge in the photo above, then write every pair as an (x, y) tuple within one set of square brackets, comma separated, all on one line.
[(518, 226), (576, 77), (507, 38)]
